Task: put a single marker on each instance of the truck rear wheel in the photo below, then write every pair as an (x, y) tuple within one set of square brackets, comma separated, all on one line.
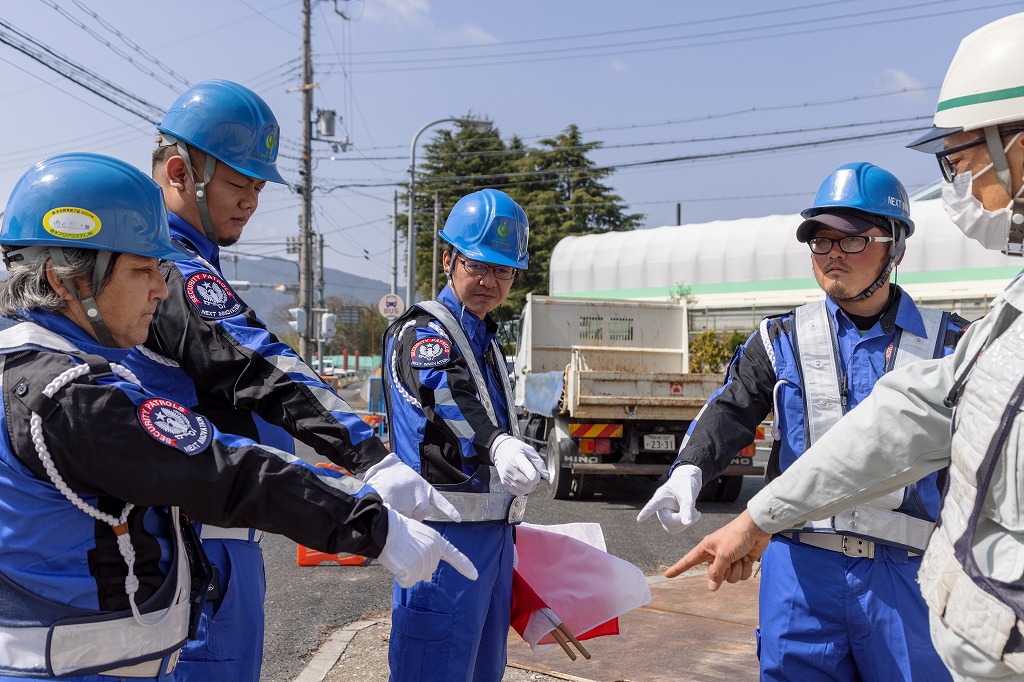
[(560, 484), (583, 485), (729, 488), (721, 489)]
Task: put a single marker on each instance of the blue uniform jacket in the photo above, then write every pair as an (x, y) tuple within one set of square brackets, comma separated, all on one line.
[(732, 414), (105, 437), (231, 366), (438, 426)]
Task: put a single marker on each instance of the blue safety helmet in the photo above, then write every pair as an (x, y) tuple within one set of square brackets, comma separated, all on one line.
[(489, 226), (862, 187), (855, 198), (231, 123), (88, 201)]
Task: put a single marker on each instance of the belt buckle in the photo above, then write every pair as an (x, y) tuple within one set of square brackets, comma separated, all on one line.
[(864, 549), (517, 510)]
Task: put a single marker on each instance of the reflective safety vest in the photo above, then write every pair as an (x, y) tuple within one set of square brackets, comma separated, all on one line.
[(497, 504), (40, 638), (973, 573), (814, 342)]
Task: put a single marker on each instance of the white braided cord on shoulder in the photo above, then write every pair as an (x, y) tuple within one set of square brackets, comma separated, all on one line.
[(118, 523)]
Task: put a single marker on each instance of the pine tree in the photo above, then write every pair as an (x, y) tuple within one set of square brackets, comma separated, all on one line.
[(555, 182)]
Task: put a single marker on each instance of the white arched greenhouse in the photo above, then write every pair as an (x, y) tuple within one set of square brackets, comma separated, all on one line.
[(734, 272)]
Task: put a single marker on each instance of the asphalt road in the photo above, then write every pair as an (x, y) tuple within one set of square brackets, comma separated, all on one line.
[(304, 604)]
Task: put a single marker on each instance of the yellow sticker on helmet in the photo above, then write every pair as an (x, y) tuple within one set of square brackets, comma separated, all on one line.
[(67, 222)]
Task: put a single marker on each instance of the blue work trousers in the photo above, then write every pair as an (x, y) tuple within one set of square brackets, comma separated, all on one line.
[(229, 643), (827, 616), (452, 629)]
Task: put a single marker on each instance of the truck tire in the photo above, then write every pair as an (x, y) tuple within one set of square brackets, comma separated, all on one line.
[(560, 484), (583, 485), (729, 488)]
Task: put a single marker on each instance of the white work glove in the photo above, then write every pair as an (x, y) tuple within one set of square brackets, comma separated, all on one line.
[(413, 550), (676, 500), (405, 491), (519, 466)]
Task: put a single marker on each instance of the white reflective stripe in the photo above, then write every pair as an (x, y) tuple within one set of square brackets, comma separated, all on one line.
[(208, 532), (350, 485), (477, 506), (31, 334), (458, 334), (92, 643), (816, 345), (461, 428), (146, 668), (329, 399), (292, 364), (24, 648), (888, 527), (443, 396), (817, 348), (459, 338), (913, 347)]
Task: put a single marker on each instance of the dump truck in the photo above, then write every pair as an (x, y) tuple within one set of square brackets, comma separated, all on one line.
[(603, 388)]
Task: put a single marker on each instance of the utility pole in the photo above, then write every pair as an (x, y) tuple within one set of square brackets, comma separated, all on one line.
[(394, 243), (322, 303), (433, 255), (305, 232)]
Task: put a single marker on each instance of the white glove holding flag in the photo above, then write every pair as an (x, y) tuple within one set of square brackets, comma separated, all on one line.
[(413, 550), (519, 466), (676, 500), (405, 491)]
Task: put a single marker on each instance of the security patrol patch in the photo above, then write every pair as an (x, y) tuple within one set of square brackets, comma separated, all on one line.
[(211, 296), (430, 352), (174, 425)]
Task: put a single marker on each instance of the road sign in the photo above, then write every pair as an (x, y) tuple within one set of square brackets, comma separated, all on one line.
[(391, 306)]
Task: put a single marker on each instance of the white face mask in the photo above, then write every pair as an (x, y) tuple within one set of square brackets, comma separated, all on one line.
[(990, 228)]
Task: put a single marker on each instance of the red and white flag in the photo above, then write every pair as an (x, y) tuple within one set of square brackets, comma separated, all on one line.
[(565, 569)]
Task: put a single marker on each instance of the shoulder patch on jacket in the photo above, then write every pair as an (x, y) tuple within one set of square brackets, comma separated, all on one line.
[(211, 296), (174, 425), (432, 351)]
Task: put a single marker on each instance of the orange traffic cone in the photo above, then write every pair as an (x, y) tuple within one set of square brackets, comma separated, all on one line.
[(311, 557)]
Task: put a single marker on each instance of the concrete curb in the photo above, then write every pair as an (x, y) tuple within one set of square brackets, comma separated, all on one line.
[(331, 651)]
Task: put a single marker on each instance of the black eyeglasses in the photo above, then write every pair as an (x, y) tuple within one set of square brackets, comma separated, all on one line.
[(949, 167), (823, 245), (478, 269)]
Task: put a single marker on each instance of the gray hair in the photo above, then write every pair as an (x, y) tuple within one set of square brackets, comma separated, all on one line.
[(27, 288)]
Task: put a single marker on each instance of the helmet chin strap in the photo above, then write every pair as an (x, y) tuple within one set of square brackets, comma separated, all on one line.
[(208, 168), (899, 246), (92, 311), (1015, 239), (451, 284)]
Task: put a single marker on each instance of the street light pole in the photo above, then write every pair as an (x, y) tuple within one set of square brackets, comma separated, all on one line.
[(480, 125)]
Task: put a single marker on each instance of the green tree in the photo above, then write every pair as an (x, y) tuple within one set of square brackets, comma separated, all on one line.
[(455, 163), (559, 187), (708, 353)]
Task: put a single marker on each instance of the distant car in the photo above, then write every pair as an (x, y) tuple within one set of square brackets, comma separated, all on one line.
[(328, 367)]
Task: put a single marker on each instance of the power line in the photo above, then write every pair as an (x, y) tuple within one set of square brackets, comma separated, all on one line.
[(53, 60), (124, 39), (732, 35)]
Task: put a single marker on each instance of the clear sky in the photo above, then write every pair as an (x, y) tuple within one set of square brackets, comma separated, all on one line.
[(753, 89)]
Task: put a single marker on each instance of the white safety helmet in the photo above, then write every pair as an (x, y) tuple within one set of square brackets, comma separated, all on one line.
[(984, 89)]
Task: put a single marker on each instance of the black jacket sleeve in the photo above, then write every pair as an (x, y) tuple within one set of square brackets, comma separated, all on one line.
[(238, 361), (99, 445), (729, 420)]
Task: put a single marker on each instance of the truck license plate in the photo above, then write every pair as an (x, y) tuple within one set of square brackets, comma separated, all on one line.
[(660, 442)]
